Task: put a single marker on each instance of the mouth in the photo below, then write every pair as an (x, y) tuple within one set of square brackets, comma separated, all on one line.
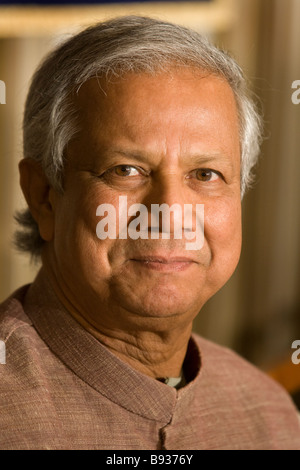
[(164, 264)]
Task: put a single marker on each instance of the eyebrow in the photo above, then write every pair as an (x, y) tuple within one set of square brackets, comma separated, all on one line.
[(197, 159), (210, 158), (136, 155)]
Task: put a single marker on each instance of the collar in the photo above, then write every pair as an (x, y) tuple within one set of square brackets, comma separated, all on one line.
[(96, 365)]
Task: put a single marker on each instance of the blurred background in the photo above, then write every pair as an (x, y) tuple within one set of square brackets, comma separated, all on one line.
[(258, 312)]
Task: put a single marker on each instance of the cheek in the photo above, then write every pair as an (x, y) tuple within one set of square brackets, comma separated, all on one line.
[(75, 224), (222, 226), (223, 236), (77, 208), (76, 230)]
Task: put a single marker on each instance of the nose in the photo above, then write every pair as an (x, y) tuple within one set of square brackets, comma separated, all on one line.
[(166, 202), (168, 188)]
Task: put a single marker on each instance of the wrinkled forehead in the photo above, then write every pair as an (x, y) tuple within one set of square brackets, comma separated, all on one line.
[(184, 82), (146, 110)]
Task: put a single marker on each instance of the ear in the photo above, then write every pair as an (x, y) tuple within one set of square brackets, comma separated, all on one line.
[(39, 196)]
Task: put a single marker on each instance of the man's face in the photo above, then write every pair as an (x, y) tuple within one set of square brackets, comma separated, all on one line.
[(169, 138)]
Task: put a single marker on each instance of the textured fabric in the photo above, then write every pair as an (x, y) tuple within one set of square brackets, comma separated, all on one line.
[(62, 389)]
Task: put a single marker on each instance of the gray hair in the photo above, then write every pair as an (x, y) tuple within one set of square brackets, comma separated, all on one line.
[(109, 49)]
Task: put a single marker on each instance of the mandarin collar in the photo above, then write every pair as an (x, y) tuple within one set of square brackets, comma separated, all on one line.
[(92, 362)]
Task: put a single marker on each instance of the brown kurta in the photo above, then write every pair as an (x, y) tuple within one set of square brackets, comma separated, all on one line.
[(62, 389)]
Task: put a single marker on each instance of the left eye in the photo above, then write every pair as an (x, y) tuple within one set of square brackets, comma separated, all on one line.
[(205, 174), (125, 170)]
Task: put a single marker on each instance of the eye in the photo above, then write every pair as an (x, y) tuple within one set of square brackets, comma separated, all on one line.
[(205, 174), (123, 174), (125, 170)]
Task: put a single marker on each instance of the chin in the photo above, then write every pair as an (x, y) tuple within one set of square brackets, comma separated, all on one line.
[(168, 302)]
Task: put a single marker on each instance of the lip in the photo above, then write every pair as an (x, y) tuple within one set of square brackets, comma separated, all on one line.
[(164, 264)]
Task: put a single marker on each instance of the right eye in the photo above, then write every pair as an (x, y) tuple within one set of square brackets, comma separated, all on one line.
[(125, 170)]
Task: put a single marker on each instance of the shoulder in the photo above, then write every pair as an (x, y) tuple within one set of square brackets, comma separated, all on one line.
[(23, 345), (233, 371), (241, 383), (246, 398), (12, 315)]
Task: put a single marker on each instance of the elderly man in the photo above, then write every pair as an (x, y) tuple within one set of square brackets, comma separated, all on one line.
[(131, 114)]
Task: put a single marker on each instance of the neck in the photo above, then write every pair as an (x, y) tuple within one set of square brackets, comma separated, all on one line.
[(154, 354)]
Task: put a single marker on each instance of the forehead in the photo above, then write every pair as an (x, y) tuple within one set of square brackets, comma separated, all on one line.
[(185, 109)]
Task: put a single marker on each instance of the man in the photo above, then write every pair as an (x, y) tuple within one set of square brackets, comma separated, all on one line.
[(128, 115)]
